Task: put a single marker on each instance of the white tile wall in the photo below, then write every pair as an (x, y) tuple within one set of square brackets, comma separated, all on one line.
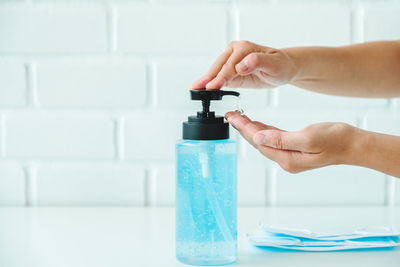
[(333, 185), (164, 186), (290, 97), (174, 76), (381, 21), (172, 29), (12, 184), (252, 184), (12, 84), (58, 135), (93, 94), (152, 136), (294, 24), (57, 28), (396, 191), (94, 184), (91, 84), (383, 122)]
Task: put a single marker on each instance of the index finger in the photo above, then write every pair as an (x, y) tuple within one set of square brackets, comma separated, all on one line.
[(246, 127), (213, 70)]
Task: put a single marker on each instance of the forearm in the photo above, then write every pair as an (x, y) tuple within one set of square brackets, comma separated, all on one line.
[(377, 151), (361, 70)]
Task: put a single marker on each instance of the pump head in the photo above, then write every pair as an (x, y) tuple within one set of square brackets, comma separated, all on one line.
[(207, 126), (206, 96)]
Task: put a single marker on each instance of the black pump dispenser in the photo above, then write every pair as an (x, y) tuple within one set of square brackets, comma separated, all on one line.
[(207, 126)]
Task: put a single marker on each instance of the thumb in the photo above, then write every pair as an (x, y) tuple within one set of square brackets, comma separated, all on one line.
[(281, 140), (255, 61)]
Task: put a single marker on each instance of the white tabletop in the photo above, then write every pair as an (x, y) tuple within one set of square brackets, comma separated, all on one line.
[(117, 237)]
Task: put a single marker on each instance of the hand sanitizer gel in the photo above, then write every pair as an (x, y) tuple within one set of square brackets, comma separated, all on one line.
[(206, 220)]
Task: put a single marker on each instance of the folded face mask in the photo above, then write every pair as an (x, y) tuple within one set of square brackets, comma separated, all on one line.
[(332, 234), (316, 245), (307, 240)]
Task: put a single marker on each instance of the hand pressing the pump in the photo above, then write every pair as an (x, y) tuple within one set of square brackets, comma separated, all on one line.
[(315, 146), (248, 65), (362, 70)]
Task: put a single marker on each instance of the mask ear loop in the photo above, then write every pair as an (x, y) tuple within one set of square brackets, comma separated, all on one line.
[(376, 230), (287, 241)]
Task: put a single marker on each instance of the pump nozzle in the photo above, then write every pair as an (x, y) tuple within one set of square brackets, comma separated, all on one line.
[(206, 96), (210, 94)]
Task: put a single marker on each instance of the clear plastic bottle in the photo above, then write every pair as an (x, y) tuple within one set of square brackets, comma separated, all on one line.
[(206, 196)]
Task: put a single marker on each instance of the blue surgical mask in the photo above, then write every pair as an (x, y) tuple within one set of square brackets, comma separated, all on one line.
[(307, 240)]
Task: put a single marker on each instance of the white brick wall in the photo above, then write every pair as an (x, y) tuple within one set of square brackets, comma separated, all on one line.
[(152, 135), (176, 29), (173, 75), (295, 24), (381, 21), (58, 28), (93, 94), (93, 184), (333, 185), (123, 84), (12, 84), (252, 184), (290, 97), (162, 190), (12, 184), (58, 135)]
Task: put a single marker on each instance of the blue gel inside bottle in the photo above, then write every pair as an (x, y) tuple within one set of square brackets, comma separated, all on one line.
[(206, 201)]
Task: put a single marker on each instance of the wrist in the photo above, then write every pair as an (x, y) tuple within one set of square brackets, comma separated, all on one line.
[(294, 56), (358, 152)]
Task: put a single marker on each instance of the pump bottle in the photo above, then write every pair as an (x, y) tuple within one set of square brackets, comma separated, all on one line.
[(206, 187)]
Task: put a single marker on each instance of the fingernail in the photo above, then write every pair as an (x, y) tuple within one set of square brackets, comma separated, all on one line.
[(242, 66), (198, 84), (259, 138), (231, 117), (229, 114)]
